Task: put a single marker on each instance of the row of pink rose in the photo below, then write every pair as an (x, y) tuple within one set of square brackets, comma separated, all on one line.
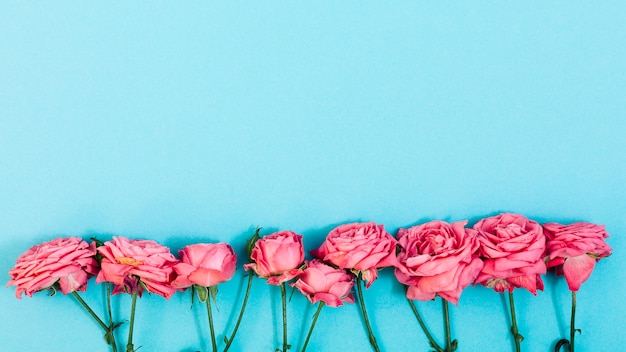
[(436, 258)]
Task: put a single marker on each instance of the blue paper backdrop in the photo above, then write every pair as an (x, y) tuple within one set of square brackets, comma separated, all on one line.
[(196, 122)]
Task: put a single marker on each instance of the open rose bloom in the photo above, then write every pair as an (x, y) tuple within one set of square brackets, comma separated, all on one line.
[(277, 257), (574, 249), (360, 247), (322, 282), (512, 248), (125, 262), (68, 261), (205, 265), (437, 258)]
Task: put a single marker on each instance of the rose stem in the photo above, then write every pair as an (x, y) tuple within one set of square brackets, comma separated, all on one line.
[(283, 295), (210, 315), (90, 311), (359, 291), (111, 324), (243, 308), (129, 345), (516, 336), (432, 342), (447, 320), (317, 314), (572, 328)]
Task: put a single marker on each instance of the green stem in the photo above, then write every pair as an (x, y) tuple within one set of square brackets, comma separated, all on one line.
[(107, 329), (572, 328), (129, 345), (243, 308), (111, 324), (90, 311), (431, 340), (283, 295), (446, 318), (359, 291), (210, 315), (317, 314), (516, 335)]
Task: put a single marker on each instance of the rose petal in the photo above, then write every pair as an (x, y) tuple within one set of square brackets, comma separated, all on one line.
[(577, 270)]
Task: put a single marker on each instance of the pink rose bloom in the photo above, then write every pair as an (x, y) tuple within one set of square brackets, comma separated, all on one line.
[(125, 262), (205, 265), (574, 249), (277, 257), (322, 282), (68, 261), (360, 247), (437, 258), (512, 248)]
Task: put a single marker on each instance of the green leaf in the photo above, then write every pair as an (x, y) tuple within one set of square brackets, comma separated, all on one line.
[(143, 285), (398, 249), (213, 292), (252, 241), (98, 242), (454, 345), (203, 293), (293, 289), (226, 340), (108, 338)]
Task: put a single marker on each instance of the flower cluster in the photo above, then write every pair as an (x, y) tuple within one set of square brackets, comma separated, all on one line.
[(434, 259)]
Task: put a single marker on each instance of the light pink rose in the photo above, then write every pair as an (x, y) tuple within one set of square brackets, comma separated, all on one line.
[(277, 257), (512, 248), (68, 261), (125, 262), (322, 282), (360, 247), (437, 258), (205, 265), (574, 249)]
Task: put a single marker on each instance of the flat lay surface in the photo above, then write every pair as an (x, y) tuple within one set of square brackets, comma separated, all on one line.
[(196, 122)]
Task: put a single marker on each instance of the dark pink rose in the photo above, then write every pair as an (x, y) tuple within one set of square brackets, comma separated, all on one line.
[(512, 248), (322, 282), (68, 261), (277, 257), (574, 249), (125, 262), (437, 258), (360, 247), (205, 265)]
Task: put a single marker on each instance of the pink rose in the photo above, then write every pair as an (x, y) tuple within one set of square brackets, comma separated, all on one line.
[(437, 258), (322, 282), (277, 257), (68, 261), (512, 248), (574, 249), (125, 262), (205, 265), (360, 247)]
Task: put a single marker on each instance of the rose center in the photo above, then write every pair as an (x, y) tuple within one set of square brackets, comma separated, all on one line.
[(129, 261)]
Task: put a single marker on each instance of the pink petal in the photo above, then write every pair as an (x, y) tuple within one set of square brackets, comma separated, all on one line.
[(415, 293), (577, 270)]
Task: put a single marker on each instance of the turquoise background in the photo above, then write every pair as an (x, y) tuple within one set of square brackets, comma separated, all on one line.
[(198, 121)]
